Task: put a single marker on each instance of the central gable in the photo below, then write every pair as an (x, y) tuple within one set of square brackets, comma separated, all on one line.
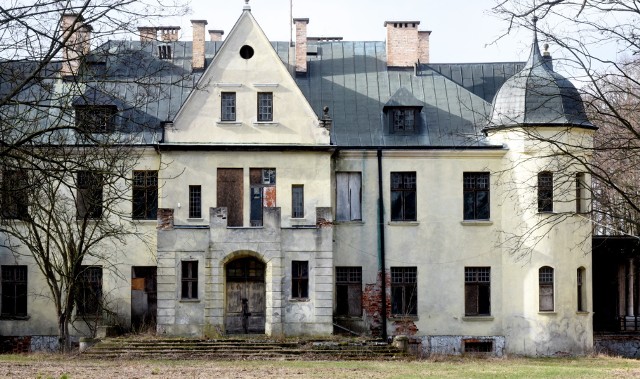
[(247, 96)]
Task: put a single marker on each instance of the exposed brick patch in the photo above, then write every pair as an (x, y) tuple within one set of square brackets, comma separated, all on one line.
[(15, 345), (371, 300), (165, 219), (406, 327)]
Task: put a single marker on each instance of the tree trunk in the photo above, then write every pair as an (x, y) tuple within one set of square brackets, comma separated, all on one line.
[(63, 333)]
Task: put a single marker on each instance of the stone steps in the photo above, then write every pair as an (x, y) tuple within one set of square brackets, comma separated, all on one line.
[(239, 349)]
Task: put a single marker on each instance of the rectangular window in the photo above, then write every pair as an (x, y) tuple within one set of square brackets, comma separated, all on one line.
[(545, 192), (263, 192), (545, 280), (477, 291), (145, 195), (299, 279), (228, 106), (404, 291), (297, 201), (582, 290), (14, 291), (189, 279), (164, 51), (349, 291), (89, 194), (195, 202), (15, 194), (96, 118), (476, 195), (348, 196), (403, 196), (265, 106), (403, 120), (89, 294), (581, 193)]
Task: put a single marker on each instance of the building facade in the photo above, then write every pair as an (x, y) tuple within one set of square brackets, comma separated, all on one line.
[(339, 186)]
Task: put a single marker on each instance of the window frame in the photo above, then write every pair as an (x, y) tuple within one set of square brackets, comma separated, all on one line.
[(477, 283), (165, 51), (404, 291), (582, 205), (399, 123), (349, 282), (297, 201), (96, 119), (299, 280), (15, 286), (89, 188), (545, 192), (546, 289), (406, 191), (348, 196), (474, 189), (189, 280), (89, 292), (265, 107), (581, 287), (228, 106), (145, 189), (15, 195), (195, 201)]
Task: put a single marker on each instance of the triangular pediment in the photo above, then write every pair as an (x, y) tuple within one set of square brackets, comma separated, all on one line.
[(262, 102)]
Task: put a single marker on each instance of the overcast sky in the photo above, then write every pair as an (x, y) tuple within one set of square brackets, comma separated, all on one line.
[(462, 30)]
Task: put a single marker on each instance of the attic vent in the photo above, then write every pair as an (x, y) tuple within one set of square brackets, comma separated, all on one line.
[(246, 52), (164, 51)]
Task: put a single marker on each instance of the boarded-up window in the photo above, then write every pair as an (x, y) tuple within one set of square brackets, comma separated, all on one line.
[(477, 291), (195, 202), (545, 280), (297, 201), (14, 194), (348, 196), (403, 196), (404, 291), (299, 279), (89, 293), (145, 195), (89, 194), (545, 192), (230, 193), (349, 291), (189, 279), (263, 192), (14, 291)]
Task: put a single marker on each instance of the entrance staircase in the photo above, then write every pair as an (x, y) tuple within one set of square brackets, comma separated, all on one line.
[(237, 348)]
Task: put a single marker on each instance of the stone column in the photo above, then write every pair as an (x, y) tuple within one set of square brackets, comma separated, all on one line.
[(630, 288), (621, 289)]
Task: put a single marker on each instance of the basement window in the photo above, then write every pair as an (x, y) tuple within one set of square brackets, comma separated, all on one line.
[(476, 346)]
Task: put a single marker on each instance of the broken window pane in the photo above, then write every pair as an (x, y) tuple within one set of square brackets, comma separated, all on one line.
[(477, 291), (349, 291), (404, 291)]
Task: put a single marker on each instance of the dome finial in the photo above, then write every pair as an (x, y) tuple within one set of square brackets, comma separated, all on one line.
[(247, 7)]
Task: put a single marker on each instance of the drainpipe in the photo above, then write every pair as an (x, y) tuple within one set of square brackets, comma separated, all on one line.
[(381, 261)]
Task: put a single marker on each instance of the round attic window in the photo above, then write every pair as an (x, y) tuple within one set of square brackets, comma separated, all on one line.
[(246, 52)]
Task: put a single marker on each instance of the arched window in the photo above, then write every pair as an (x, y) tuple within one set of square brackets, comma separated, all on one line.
[(545, 282), (582, 289)]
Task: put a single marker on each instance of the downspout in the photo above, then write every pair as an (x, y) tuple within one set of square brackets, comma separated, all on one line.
[(381, 260)]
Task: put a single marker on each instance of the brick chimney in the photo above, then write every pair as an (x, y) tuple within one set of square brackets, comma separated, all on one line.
[(168, 33), (404, 43), (78, 37), (301, 44), (197, 62), (423, 46), (148, 33), (216, 35)]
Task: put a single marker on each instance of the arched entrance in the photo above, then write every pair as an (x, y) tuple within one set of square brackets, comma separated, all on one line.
[(245, 280)]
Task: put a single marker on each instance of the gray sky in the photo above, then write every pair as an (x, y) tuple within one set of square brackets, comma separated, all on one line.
[(462, 30)]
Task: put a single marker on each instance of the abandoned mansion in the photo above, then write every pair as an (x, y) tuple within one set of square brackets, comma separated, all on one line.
[(329, 186)]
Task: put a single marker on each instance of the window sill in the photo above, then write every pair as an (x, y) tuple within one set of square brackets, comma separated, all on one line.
[(477, 318), (145, 220), (584, 313), (476, 222), (15, 318), (299, 300), (403, 223), (404, 318), (195, 219), (354, 222), (546, 213), (550, 313), (348, 318), (189, 300), (266, 123), (228, 123)]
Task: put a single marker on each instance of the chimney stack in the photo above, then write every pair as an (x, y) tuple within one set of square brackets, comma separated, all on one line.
[(197, 62), (78, 37), (216, 35), (148, 33), (168, 33), (405, 45), (301, 44)]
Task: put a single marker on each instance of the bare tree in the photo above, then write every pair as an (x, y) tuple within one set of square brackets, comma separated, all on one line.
[(72, 127), (597, 43)]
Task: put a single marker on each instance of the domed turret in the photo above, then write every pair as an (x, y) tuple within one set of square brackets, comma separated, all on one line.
[(536, 95)]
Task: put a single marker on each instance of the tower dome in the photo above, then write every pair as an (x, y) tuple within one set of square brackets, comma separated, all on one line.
[(537, 95)]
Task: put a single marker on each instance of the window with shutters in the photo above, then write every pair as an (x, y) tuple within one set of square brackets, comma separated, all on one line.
[(349, 291), (404, 291), (14, 291), (189, 279), (545, 283), (477, 291), (348, 196)]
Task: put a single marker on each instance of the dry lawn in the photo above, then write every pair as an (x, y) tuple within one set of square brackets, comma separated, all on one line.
[(53, 366)]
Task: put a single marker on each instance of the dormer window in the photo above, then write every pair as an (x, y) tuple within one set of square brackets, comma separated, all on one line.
[(164, 51), (403, 120), (96, 118)]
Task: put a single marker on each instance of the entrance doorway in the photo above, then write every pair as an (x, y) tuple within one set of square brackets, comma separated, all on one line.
[(245, 280), (144, 298)]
